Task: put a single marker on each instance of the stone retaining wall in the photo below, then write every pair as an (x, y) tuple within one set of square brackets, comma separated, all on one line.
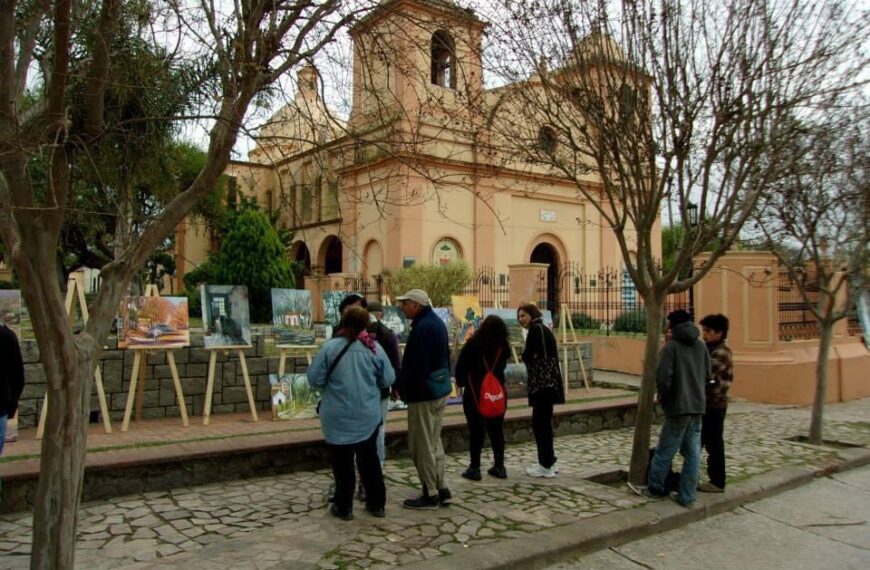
[(159, 396)]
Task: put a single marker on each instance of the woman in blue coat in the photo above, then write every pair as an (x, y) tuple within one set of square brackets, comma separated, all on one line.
[(350, 370)]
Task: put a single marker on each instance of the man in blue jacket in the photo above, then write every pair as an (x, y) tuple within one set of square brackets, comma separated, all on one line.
[(424, 384), (684, 367)]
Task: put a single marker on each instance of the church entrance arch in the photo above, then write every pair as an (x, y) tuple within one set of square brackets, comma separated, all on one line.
[(300, 254), (546, 253), (331, 253)]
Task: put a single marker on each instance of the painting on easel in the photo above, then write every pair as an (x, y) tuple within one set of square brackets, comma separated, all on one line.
[(291, 316), (225, 316), (397, 322), (331, 302), (154, 322), (466, 313), (293, 397), (10, 309)]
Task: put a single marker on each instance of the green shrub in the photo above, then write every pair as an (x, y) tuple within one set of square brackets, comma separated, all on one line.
[(584, 321), (252, 254), (440, 281), (631, 321), (194, 302)]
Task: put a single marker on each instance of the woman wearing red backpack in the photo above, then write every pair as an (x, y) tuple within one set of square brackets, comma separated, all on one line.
[(485, 354)]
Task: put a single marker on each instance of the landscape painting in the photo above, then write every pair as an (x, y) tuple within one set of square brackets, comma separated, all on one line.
[(397, 322), (154, 322), (509, 316), (466, 315), (291, 317), (225, 316), (292, 397), (10, 309), (446, 316), (331, 301)]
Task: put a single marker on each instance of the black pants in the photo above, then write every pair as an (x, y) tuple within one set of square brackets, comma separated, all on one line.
[(478, 427), (369, 466), (712, 428), (542, 427)]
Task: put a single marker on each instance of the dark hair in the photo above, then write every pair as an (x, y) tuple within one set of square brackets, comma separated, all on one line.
[(492, 335), (350, 300), (716, 322), (531, 310), (353, 321), (679, 317)]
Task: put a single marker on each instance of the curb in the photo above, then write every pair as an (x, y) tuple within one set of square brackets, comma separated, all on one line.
[(586, 536)]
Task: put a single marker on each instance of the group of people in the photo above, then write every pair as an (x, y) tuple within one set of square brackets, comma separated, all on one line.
[(692, 381), (359, 370)]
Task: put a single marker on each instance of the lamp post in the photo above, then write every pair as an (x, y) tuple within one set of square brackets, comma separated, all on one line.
[(692, 214)]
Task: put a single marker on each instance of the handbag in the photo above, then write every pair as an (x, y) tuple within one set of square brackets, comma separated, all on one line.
[(438, 383), (545, 373)]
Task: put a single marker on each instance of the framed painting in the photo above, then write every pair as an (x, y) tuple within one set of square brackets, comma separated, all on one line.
[(154, 322), (331, 301), (397, 322), (292, 397), (291, 316), (225, 316), (466, 315)]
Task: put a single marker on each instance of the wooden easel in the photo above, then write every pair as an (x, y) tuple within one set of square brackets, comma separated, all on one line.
[(75, 290), (565, 324), (307, 350), (212, 364), (140, 363)]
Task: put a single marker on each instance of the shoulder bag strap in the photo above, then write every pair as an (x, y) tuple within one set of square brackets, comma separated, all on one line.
[(337, 359)]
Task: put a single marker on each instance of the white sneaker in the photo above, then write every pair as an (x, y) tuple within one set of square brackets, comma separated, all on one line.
[(398, 405), (554, 468), (541, 471)]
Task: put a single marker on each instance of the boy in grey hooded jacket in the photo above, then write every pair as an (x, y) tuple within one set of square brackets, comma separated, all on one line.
[(684, 367)]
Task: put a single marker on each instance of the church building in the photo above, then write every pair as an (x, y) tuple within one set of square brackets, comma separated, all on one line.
[(417, 173)]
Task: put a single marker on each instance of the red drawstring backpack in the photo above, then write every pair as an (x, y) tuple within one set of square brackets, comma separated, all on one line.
[(493, 399)]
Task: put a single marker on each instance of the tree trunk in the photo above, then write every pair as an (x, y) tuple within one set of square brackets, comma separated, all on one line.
[(827, 331), (643, 426)]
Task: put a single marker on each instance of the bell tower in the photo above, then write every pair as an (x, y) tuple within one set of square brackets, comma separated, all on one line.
[(413, 58)]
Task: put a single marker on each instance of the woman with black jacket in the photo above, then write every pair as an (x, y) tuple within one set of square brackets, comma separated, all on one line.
[(544, 385), (488, 349)]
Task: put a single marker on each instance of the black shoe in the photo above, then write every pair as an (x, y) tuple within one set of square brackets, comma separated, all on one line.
[(361, 493), (498, 471), (472, 473), (422, 502), (348, 516), (378, 513), (330, 494), (444, 496)]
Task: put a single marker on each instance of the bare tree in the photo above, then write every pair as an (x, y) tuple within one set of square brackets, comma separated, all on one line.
[(240, 48), (658, 105), (816, 220)]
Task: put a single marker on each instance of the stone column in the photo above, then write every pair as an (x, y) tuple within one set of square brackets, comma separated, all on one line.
[(525, 280), (743, 287)]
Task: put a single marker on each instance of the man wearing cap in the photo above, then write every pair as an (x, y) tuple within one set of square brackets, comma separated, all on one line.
[(424, 383)]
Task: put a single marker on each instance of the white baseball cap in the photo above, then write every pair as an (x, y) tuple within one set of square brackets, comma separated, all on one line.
[(417, 295)]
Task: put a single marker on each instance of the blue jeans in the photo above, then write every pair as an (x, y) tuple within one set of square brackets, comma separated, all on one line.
[(3, 419), (382, 431), (681, 433)]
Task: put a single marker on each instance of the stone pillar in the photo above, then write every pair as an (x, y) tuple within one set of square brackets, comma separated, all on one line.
[(525, 280), (743, 287), (317, 284)]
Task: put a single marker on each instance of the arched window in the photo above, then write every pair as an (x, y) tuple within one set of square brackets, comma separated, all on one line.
[(443, 60), (547, 140)]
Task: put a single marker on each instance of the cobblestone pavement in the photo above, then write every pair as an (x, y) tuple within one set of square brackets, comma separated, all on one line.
[(282, 521)]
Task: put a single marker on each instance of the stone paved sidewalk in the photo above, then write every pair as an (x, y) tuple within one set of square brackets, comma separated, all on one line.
[(282, 521)]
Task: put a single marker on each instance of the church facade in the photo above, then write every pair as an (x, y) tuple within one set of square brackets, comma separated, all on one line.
[(417, 173)]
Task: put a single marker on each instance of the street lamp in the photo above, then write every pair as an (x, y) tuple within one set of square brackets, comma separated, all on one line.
[(692, 214)]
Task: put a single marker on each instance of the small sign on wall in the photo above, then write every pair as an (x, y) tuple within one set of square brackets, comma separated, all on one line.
[(548, 216)]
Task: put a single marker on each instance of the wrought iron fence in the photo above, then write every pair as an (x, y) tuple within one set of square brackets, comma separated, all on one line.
[(601, 302), (371, 287), (796, 320), (493, 289)]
